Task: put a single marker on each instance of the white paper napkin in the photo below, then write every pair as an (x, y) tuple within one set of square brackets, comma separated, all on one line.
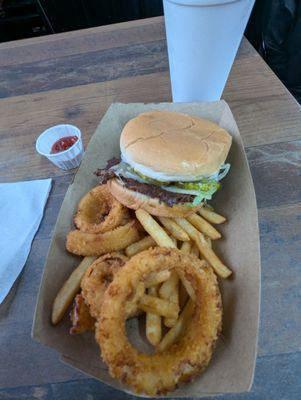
[(21, 210)]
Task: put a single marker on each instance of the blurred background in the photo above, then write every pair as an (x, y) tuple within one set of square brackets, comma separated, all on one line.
[(274, 28)]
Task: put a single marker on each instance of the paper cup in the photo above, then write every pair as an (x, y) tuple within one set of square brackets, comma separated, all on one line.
[(203, 37), (67, 159)]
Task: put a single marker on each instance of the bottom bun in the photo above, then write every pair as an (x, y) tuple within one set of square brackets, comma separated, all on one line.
[(154, 206)]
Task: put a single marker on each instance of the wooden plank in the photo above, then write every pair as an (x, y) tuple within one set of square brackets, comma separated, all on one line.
[(21, 307), (270, 119), (81, 69), (81, 41), (250, 77), (280, 323), (276, 377), (59, 187), (264, 109), (85, 105), (24, 361), (87, 40), (276, 171), (272, 375), (154, 21)]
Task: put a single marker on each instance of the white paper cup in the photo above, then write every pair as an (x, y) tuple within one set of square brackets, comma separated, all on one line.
[(203, 37), (67, 159)]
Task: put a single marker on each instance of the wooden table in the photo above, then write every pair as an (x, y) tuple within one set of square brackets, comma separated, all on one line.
[(73, 78)]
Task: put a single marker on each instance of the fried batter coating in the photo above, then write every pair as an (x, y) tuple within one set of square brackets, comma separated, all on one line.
[(98, 211), (98, 277), (96, 244), (155, 374), (81, 319)]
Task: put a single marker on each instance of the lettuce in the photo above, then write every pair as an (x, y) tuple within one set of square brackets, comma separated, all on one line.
[(205, 185), (206, 191), (202, 189)]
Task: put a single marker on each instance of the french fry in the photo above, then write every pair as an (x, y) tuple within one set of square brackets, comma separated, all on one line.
[(195, 250), (174, 229), (183, 295), (158, 306), (205, 227), (137, 247), (155, 278), (174, 241), (169, 291), (219, 268), (186, 247), (211, 216), (69, 289), (153, 325), (154, 229), (208, 240), (178, 329), (186, 283)]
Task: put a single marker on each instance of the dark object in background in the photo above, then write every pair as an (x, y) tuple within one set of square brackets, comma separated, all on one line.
[(66, 15), (21, 19), (282, 43), (275, 31)]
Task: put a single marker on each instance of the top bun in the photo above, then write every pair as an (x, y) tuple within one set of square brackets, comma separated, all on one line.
[(174, 146)]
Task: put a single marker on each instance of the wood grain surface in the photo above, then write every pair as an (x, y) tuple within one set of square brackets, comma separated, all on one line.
[(73, 77)]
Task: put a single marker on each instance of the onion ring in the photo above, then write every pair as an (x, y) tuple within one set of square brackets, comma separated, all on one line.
[(80, 316), (154, 374), (97, 244), (98, 211), (98, 277)]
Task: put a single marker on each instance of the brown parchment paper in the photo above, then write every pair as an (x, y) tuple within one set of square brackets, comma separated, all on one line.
[(233, 363)]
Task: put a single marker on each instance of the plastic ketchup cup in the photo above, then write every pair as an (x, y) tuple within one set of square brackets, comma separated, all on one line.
[(51, 140)]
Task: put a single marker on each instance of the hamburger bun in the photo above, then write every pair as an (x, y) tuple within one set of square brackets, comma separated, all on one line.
[(168, 147), (136, 200), (173, 146)]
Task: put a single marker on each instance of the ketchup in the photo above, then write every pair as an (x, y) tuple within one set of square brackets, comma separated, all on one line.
[(63, 144)]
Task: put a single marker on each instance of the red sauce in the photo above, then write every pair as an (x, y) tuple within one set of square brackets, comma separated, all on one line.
[(63, 144)]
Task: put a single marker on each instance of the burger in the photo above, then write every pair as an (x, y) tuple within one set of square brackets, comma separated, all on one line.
[(171, 163)]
